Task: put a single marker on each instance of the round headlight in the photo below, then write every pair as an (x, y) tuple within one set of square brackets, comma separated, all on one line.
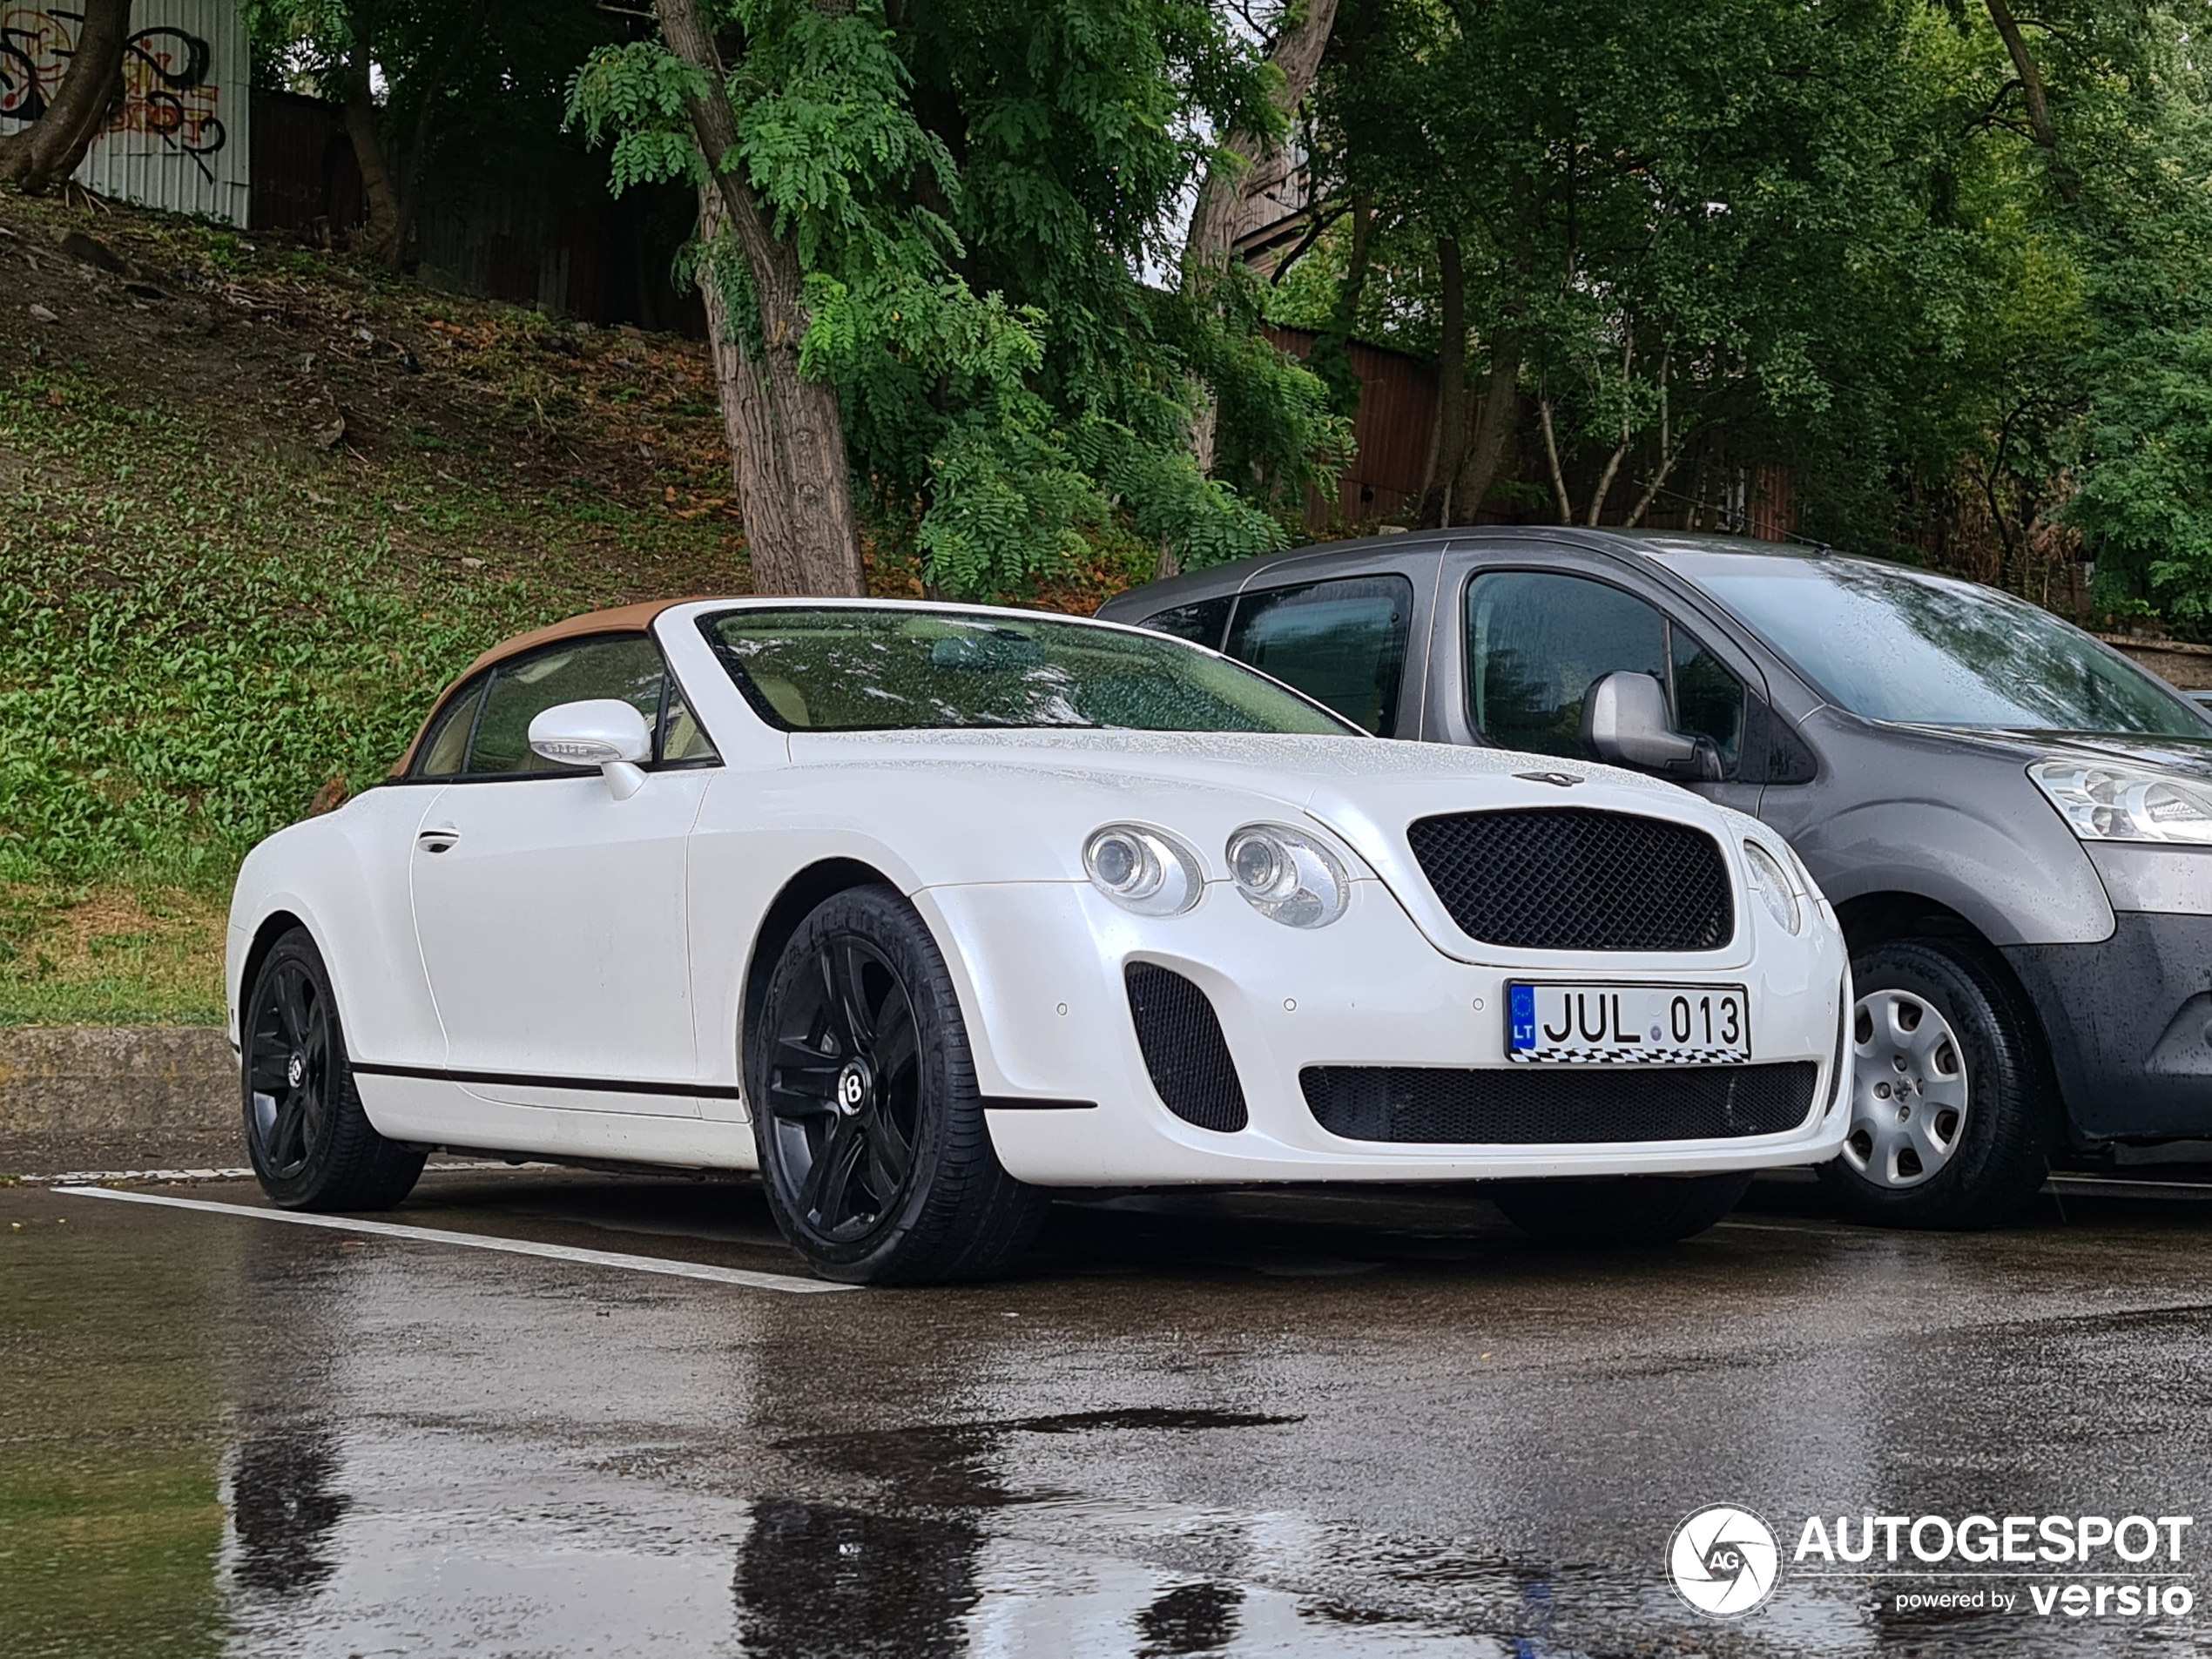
[(1287, 876), (1772, 882), (1143, 869)]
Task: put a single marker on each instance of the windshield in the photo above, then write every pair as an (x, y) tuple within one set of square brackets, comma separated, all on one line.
[(833, 669), (1893, 643)]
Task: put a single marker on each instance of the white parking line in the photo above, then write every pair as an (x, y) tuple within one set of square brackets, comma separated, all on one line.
[(94, 1177), (789, 1283)]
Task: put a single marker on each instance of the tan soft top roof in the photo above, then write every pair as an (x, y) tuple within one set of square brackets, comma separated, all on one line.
[(623, 619)]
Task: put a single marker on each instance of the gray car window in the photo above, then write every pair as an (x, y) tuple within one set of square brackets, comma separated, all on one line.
[(1202, 622), (1342, 643), (1536, 640), (1891, 644)]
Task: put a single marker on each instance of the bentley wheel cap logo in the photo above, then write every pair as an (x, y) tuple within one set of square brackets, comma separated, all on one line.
[(1723, 1560), (851, 1088)]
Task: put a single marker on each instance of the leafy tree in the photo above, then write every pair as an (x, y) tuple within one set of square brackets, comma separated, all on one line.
[(1664, 223), (475, 79), (62, 129), (925, 231)]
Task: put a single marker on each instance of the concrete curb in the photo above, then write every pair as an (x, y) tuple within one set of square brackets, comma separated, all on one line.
[(80, 1081)]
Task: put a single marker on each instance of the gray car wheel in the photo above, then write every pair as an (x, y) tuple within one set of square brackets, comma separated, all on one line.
[(1953, 1114)]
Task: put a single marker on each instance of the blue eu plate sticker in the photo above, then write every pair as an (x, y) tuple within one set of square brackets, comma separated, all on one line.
[(1522, 1022)]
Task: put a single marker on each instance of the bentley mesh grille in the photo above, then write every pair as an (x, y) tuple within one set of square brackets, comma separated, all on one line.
[(1572, 877), (1180, 1036), (1527, 1106)]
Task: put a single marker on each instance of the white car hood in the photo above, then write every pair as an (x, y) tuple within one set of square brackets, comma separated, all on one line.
[(1204, 784)]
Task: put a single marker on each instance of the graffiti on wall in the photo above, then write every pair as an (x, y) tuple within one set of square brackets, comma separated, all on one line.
[(167, 94)]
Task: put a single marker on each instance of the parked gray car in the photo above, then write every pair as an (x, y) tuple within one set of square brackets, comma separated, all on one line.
[(2013, 820)]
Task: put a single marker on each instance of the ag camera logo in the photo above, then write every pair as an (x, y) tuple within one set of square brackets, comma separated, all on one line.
[(1723, 1561)]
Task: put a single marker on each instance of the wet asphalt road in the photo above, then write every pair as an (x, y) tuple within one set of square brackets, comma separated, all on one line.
[(1358, 1425)]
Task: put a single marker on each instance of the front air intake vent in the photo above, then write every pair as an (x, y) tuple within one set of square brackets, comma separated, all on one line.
[(1574, 878), (1571, 1106), (1184, 1049)]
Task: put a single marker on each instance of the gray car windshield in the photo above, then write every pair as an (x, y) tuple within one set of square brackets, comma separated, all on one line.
[(1893, 643), (831, 669)]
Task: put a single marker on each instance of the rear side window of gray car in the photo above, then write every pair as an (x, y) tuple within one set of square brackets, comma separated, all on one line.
[(1202, 623), (1342, 643)]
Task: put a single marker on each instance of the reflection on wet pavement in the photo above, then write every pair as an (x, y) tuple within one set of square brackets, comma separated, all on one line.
[(1189, 1431)]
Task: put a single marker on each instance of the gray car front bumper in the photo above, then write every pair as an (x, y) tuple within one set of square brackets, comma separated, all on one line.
[(2129, 1020)]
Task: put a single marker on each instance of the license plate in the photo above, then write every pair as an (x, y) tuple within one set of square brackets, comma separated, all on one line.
[(1646, 1025)]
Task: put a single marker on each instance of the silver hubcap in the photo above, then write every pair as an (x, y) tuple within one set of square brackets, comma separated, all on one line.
[(1909, 1093)]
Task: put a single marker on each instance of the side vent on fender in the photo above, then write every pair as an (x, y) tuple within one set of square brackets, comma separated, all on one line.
[(1184, 1049)]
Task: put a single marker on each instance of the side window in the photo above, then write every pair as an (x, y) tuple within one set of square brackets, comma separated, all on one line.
[(1536, 640), (1709, 700), (1342, 643), (626, 666), (1202, 623), (681, 739), (446, 742)]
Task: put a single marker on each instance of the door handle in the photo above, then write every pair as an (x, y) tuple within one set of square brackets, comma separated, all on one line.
[(436, 840)]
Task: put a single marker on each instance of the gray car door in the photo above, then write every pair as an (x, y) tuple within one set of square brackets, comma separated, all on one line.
[(1523, 627)]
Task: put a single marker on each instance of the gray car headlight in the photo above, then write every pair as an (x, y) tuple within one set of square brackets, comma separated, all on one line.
[(1288, 876), (1772, 883), (2102, 803), (1143, 869)]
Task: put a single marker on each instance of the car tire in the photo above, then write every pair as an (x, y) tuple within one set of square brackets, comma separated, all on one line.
[(873, 1148), (1620, 1210), (310, 1143), (1953, 1112)]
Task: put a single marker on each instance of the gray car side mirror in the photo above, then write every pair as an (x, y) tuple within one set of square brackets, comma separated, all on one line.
[(1625, 720)]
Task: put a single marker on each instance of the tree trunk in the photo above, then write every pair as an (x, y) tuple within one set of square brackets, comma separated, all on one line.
[(47, 151), (1451, 382), (2034, 96), (1551, 454), (1207, 246), (379, 237), (786, 435), (1213, 222), (1494, 425)]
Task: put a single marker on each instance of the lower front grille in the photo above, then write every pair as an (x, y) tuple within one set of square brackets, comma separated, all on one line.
[(1180, 1036), (1525, 1106)]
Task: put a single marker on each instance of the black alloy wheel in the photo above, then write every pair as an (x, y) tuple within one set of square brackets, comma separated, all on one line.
[(844, 1089), (310, 1143), (873, 1148), (288, 1077)]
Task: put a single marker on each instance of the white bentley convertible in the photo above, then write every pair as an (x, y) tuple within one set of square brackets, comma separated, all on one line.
[(925, 910)]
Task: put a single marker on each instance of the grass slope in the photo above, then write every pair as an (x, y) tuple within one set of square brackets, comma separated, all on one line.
[(255, 508)]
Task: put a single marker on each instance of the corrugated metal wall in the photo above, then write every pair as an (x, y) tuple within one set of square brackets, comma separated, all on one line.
[(1390, 432), (181, 140)]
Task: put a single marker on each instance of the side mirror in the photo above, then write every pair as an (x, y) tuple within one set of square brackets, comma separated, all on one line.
[(602, 731), (1625, 721)]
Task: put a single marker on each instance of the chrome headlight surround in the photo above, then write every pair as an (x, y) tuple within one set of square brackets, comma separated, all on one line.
[(2122, 802), (1143, 869), (1770, 880), (1288, 875)]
